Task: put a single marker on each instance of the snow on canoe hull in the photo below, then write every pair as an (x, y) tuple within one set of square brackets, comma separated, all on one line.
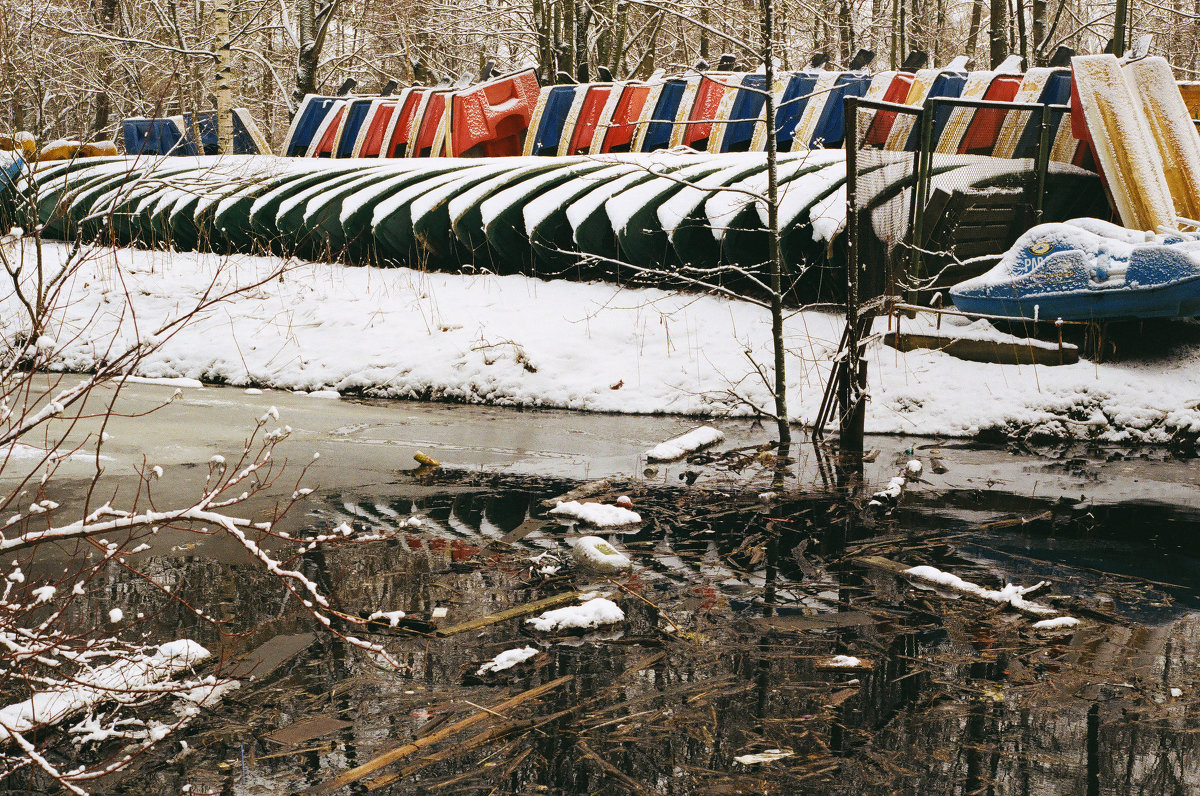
[(551, 237), (503, 215), (431, 220), (467, 215)]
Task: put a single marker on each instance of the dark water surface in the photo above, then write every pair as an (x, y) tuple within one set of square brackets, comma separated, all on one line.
[(734, 609)]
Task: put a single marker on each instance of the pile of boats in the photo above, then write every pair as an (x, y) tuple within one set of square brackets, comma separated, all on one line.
[(1137, 124), (651, 182), (710, 111), (659, 219)]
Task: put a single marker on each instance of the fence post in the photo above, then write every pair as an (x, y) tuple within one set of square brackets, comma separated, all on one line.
[(922, 174), (1043, 164), (852, 382)]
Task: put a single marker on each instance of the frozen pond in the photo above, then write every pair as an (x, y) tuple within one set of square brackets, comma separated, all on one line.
[(734, 615)]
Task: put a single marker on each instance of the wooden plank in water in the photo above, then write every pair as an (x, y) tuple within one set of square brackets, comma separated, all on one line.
[(306, 730), (1001, 353), (510, 613), (265, 659)]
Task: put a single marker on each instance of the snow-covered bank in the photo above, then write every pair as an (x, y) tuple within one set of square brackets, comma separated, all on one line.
[(518, 341)]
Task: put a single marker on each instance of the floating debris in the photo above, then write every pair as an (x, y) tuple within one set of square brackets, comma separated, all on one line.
[(391, 617), (767, 756), (1058, 623), (1011, 594), (425, 460), (306, 730), (507, 660), (592, 552)]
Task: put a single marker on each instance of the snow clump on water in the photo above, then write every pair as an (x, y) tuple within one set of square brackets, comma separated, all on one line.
[(592, 614), (599, 515), (507, 660)]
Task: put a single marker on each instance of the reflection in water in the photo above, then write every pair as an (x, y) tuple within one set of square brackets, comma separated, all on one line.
[(951, 696)]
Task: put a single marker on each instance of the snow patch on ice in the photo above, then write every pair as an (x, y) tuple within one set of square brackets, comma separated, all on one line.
[(684, 444)]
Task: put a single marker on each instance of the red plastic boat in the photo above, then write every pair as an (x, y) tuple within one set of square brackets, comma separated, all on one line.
[(489, 119)]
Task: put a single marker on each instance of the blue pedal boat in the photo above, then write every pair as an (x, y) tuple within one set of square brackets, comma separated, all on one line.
[(1089, 270)]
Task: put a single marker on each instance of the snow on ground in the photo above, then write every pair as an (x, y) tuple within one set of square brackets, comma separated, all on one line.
[(518, 341)]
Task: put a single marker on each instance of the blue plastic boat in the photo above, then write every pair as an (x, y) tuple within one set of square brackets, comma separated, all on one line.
[(549, 126), (946, 84), (356, 114), (747, 107), (174, 136), (795, 99), (304, 127), (662, 120), (830, 130), (1089, 270), (1057, 93)]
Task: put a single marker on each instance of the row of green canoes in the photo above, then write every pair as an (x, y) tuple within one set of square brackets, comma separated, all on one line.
[(666, 219)]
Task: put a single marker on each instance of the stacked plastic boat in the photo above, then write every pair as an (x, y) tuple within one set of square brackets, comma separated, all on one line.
[(633, 181)]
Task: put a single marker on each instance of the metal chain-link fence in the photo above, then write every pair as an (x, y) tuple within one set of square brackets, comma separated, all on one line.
[(940, 191)]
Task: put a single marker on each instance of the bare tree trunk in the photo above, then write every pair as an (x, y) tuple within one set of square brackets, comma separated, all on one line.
[(620, 29), (973, 31), (997, 32), (221, 87), (878, 10), (1021, 30), (312, 29), (106, 19), (582, 17), (845, 31), (1119, 31), (566, 59), (1037, 29), (775, 261)]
